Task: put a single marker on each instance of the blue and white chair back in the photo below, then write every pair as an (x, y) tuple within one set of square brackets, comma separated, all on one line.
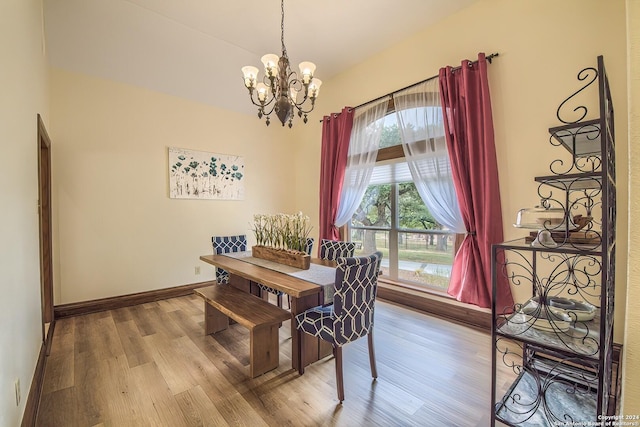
[(334, 249), (350, 316), (309, 246), (225, 245), (354, 298)]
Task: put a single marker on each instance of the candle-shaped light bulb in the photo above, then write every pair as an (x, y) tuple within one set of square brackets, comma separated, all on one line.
[(306, 71), (270, 62), (250, 76), (262, 92), (314, 88)]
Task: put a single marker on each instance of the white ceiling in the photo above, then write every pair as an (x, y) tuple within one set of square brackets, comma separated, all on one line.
[(195, 48)]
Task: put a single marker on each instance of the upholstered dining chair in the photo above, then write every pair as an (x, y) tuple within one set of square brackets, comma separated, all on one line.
[(334, 249), (225, 245), (350, 316), (309, 245), (263, 288)]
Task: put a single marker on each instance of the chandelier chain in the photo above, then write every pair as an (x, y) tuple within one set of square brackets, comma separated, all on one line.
[(284, 49)]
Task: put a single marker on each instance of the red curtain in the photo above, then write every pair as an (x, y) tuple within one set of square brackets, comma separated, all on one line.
[(336, 132), (466, 104)]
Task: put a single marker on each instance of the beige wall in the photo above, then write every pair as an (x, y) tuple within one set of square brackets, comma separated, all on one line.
[(631, 363), (118, 231), (23, 85), (542, 44)]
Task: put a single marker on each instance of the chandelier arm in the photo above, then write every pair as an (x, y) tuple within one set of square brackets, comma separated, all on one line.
[(270, 98), (296, 83), (300, 106), (262, 111), (299, 86), (266, 104), (258, 104)]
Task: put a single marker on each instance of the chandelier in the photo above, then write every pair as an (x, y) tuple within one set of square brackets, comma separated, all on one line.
[(282, 90)]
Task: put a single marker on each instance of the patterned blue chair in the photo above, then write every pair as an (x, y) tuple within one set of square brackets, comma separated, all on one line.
[(224, 245), (309, 246), (350, 316), (263, 288), (334, 249)]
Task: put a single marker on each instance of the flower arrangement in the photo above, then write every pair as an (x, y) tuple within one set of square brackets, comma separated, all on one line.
[(282, 231)]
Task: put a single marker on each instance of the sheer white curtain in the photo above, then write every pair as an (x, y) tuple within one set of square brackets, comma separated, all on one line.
[(368, 123), (422, 131)]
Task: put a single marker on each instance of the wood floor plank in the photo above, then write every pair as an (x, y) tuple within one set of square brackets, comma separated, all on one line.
[(60, 363), (163, 322), (154, 398), (96, 333), (152, 365), (91, 396), (121, 315), (133, 343), (190, 305), (115, 389), (177, 370), (142, 319), (273, 402), (198, 409), (59, 373)]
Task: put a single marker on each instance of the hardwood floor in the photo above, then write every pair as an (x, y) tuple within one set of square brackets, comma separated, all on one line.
[(152, 365)]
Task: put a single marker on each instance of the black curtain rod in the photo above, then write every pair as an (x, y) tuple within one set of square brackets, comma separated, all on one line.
[(489, 58)]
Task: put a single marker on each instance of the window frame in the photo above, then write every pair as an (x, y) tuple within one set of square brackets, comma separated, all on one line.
[(396, 152)]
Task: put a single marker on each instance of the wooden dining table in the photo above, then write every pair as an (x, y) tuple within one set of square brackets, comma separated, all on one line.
[(303, 295)]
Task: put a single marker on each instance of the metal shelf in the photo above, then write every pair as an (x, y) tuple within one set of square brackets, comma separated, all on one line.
[(580, 139), (562, 368), (593, 249), (581, 338), (524, 405), (573, 182)]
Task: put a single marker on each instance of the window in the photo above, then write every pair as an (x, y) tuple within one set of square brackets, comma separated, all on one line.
[(393, 219)]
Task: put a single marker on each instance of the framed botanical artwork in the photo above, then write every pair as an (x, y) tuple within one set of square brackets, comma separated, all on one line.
[(202, 175)]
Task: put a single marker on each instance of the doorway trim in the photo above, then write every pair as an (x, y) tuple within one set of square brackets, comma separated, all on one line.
[(46, 228)]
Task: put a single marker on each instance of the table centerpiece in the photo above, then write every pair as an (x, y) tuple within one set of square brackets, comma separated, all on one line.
[(282, 238)]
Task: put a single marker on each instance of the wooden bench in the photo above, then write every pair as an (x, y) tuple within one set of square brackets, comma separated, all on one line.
[(260, 317)]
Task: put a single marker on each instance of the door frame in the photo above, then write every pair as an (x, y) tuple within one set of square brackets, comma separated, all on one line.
[(45, 224)]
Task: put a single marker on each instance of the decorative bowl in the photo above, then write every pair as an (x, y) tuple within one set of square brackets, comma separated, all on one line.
[(560, 302), (576, 311), (545, 317)]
